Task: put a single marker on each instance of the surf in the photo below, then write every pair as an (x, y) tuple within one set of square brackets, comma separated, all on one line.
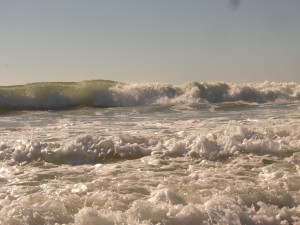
[(106, 93)]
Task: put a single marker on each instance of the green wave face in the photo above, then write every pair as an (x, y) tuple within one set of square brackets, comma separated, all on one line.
[(45, 95)]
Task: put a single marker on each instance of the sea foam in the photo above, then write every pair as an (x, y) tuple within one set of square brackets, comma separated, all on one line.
[(196, 153), (223, 143)]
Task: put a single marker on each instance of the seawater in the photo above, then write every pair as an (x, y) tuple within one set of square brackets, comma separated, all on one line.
[(114, 153)]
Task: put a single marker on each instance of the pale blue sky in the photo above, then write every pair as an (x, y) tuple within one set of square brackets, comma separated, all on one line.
[(171, 41)]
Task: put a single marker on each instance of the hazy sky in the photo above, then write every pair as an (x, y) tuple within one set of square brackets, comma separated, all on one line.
[(172, 41)]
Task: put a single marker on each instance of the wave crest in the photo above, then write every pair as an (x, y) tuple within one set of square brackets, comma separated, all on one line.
[(101, 93)]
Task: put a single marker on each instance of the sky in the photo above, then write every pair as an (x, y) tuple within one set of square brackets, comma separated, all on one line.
[(169, 41)]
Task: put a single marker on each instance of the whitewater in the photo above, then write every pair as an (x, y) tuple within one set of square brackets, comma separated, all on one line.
[(104, 152)]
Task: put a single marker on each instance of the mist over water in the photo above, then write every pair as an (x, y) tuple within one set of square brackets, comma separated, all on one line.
[(109, 153)]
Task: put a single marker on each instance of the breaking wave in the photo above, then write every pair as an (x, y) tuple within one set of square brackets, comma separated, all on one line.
[(103, 93)]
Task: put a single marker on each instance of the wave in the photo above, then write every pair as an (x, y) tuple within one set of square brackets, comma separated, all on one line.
[(104, 93)]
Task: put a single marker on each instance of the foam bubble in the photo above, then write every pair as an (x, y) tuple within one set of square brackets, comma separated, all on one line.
[(92, 217)]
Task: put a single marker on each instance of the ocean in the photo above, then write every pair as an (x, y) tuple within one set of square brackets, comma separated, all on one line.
[(104, 152)]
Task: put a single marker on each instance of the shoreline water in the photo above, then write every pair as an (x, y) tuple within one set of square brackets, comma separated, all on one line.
[(162, 158)]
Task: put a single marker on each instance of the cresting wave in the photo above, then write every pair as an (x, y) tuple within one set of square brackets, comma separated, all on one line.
[(103, 93)]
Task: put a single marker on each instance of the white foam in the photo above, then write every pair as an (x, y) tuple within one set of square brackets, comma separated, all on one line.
[(133, 166), (223, 142), (91, 216)]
